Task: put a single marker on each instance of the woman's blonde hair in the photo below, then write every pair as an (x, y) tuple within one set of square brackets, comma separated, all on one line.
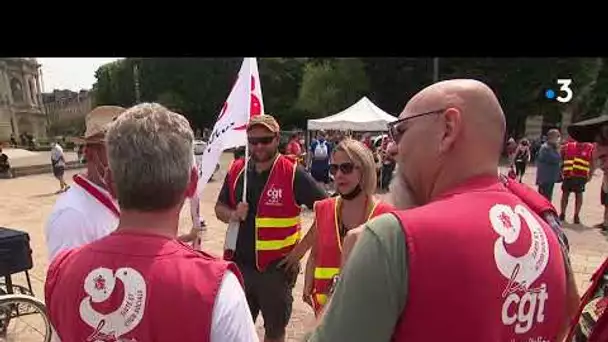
[(363, 159)]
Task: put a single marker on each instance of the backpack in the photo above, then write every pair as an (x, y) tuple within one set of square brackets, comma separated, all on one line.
[(321, 150)]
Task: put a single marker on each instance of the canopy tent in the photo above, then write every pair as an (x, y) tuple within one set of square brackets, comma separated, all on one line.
[(362, 116)]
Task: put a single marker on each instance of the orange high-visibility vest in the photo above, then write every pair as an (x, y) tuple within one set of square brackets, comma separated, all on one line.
[(277, 221), (577, 159), (329, 246)]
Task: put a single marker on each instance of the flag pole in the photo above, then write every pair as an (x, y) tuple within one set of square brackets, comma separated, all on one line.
[(244, 199)]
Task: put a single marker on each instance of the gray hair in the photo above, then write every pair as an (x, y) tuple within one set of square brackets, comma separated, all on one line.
[(150, 156)]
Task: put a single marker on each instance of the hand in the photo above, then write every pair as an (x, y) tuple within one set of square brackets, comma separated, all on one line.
[(193, 234), (290, 263), (241, 211)]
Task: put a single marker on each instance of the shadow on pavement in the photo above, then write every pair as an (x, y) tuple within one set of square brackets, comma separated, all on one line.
[(45, 195)]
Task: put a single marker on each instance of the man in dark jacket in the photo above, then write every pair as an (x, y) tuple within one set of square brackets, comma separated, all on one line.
[(549, 164)]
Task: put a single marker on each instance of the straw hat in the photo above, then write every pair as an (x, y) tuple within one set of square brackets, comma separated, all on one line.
[(97, 122)]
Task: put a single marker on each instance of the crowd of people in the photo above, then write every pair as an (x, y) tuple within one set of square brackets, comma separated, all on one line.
[(571, 163), (400, 270)]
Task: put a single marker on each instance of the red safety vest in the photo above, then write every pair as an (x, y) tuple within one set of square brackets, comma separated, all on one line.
[(134, 287), (577, 159), (599, 332), (482, 267), (537, 203), (329, 246), (277, 221)]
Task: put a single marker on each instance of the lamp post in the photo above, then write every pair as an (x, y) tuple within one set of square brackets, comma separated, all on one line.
[(435, 69)]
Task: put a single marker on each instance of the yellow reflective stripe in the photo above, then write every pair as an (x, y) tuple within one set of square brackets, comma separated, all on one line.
[(568, 168), (321, 298), (569, 161), (578, 167), (326, 272), (272, 245), (582, 161), (271, 222)]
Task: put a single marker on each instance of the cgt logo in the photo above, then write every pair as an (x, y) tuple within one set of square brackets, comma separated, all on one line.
[(274, 195)]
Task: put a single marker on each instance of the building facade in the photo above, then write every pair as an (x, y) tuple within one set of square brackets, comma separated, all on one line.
[(66, 106), (21, 108)]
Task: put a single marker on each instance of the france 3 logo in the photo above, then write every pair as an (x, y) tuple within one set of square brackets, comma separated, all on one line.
[(564, 90)]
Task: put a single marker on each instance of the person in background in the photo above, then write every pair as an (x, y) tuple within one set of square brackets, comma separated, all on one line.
[(58, 166), (168, 291), (590, 323), (522, 158), (408, 277), (269, 222), (320, 150), (576, 172), (5, 166), (548, 164), (603, 200), (294, 148), (86, 212), (13, 140), (388, 153), (510, 149)]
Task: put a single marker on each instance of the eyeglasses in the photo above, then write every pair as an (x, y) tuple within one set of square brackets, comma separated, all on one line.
[(260, 140), (345, 168), (393, 127)]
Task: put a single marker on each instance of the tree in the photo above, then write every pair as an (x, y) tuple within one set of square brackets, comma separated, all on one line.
[(332, 86)]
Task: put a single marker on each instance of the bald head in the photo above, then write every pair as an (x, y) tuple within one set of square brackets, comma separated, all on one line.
[(481, 112), (462, 131)]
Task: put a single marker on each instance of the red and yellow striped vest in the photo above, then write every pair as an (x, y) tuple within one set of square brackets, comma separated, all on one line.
[(329, 246), (277, 221)]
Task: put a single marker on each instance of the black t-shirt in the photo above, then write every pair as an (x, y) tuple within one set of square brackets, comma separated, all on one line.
[(306, 191)]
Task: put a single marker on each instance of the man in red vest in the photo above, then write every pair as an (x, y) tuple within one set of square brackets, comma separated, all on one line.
[(471, 261), (590, 324), (576, 172), (269, 222), (140, 283)]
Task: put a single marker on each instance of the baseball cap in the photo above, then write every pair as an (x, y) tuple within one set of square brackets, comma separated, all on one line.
[(264, 120), (587, 130)]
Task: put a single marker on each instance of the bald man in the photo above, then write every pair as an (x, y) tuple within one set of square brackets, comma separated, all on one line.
[(469, 261)]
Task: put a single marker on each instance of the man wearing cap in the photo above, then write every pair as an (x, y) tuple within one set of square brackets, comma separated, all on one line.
[(86, 212), (591, 320), (269, 221)]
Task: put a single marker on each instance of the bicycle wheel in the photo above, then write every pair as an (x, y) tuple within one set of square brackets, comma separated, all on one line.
[(23, 318)]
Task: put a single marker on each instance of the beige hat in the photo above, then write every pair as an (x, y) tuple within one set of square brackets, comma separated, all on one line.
[(265, 120), (97, 122)]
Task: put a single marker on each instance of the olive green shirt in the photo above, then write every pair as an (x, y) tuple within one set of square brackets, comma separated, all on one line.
[(372, 289)]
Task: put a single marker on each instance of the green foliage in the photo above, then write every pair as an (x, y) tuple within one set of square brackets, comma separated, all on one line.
[(332, 86), (297, 89)]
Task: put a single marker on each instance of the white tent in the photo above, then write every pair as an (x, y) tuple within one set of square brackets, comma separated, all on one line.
[(362, 116)]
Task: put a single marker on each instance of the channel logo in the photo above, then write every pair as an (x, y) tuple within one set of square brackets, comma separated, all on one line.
[(564, 90)]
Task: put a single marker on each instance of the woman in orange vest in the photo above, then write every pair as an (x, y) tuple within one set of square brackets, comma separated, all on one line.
[(353, 168)]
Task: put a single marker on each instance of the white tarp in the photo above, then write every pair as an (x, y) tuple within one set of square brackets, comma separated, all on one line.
[(362, 116)]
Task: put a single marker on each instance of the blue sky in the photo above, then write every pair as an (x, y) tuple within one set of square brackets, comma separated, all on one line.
[(70, 73)]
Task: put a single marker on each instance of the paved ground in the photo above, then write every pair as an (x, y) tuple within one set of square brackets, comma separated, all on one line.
[(27, 202)]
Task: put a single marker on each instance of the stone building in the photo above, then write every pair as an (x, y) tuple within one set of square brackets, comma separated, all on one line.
[(65, 106), (21, 109)]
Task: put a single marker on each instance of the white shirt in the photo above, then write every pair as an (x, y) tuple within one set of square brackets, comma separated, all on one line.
[(77, 219), (56, 154), (231, 319)]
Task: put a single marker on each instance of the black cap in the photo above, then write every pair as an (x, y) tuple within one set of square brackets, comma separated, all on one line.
[(586, 131)]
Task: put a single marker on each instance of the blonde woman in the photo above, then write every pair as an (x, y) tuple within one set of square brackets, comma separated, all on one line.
[(354, 171)]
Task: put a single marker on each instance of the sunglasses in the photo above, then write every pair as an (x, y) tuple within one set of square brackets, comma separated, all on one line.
[(260, 140), (345, 168), (393, 127)]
